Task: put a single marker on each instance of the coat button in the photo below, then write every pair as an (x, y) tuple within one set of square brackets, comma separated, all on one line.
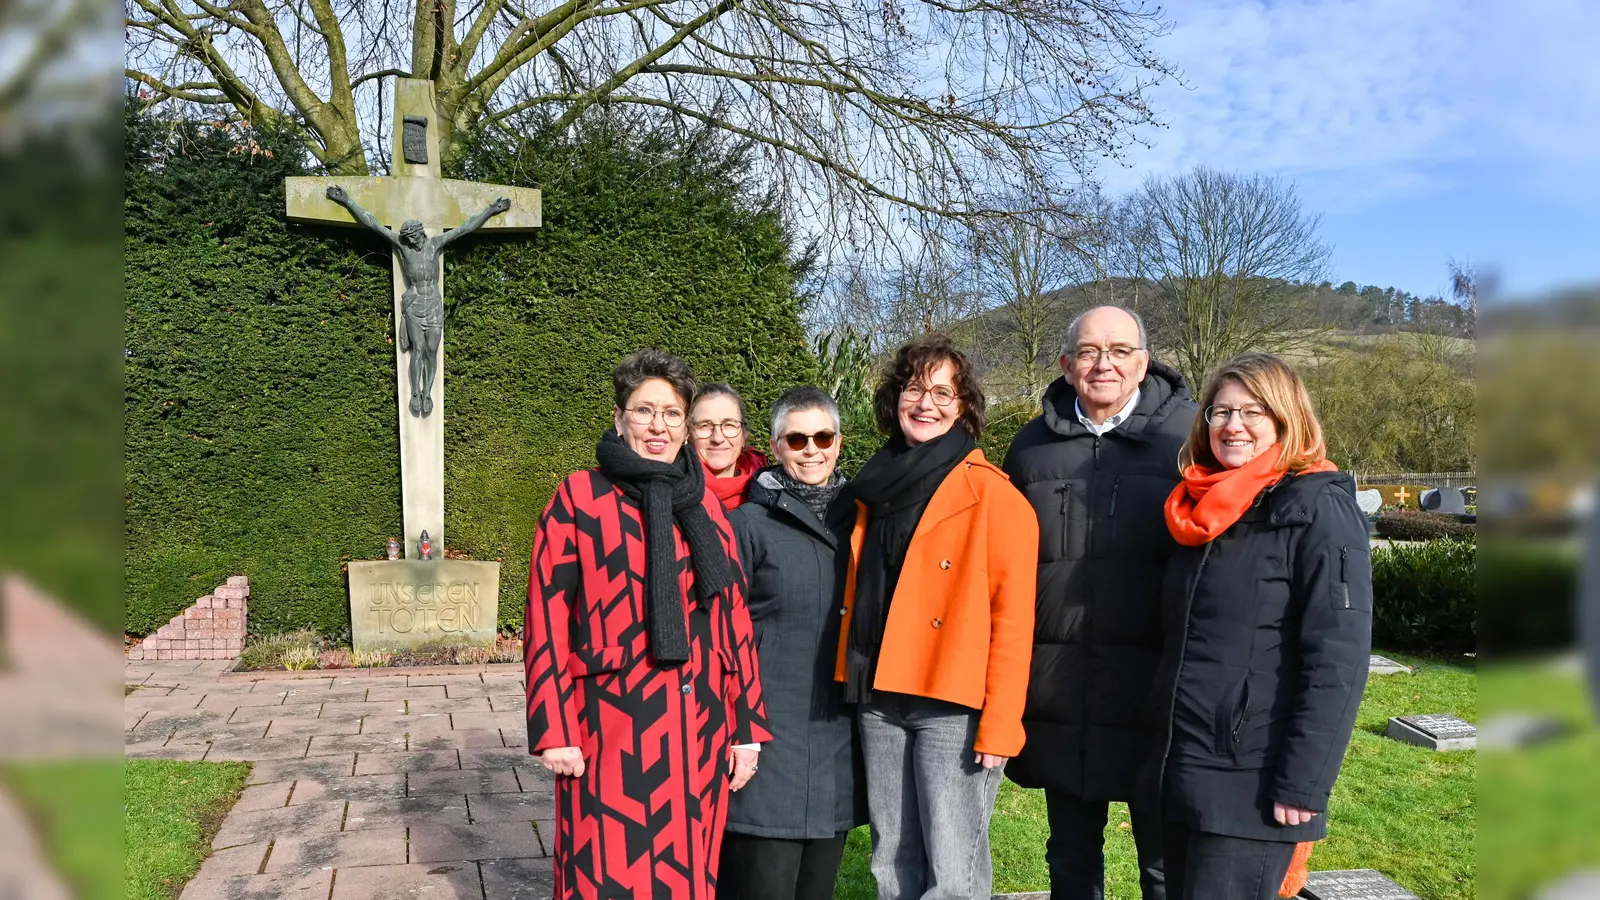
[(687, 688), (938, 623), (944, 563), (843, 610)]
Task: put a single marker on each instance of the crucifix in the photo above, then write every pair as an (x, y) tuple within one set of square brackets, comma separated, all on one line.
[(423, 205)]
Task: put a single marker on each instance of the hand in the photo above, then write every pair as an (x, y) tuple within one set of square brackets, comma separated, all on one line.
[(563, 761), (1291, 815), (337, 195), (989, 760), (500, 205), (742, 765)]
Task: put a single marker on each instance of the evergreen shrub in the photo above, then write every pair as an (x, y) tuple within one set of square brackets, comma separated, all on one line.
[(1425, 596)]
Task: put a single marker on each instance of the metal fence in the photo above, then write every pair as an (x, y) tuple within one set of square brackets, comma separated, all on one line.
[(1431, 479)]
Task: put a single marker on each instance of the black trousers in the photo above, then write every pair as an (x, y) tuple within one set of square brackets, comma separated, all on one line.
[(1076, 850), (1204, 866), (757, 868)]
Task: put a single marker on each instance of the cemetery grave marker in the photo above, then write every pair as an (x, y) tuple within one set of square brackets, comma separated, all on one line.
[(1443, 500), (1383, 665), (1435, 731), (1353, 884), (1370, 501)]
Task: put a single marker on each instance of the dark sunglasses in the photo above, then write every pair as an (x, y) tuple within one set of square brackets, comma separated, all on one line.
[(797, 441)]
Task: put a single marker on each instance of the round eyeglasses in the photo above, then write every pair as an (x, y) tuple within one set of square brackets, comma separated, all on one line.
[(644, 415), (729, 429), (1251, 416), (942, 394)]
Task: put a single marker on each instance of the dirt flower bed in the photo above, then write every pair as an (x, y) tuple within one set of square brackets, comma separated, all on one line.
[(299, 651)]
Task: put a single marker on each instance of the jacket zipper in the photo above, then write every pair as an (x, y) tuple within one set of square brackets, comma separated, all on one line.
[(1115, 486), (1344, 576), (1066, 523)]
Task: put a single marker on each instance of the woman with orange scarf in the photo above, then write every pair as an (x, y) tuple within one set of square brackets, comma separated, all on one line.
[(1267, 618)]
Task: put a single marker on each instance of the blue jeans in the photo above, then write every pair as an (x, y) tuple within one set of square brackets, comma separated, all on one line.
[(928, 801), (1076, 854)]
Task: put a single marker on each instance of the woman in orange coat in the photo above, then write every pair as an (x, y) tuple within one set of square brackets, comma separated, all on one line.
[(938, 627)]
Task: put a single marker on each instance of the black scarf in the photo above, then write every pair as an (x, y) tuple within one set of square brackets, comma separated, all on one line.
[(896, 485), (668, 493), (815, 496)]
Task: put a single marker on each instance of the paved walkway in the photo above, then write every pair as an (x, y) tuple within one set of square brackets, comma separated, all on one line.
[(407, 786)]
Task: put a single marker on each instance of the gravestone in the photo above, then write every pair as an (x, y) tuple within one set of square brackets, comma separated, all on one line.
[(400, 604), (1353, 884), (1435, 731), (1443, 500), (1383, 665), (1470, 494), (1370, 501), (1580, 886)]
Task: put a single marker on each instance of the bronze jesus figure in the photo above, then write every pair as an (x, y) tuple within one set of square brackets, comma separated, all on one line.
[(422, 303)]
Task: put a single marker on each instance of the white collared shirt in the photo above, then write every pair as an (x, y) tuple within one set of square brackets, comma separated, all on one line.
[(1110, 423)]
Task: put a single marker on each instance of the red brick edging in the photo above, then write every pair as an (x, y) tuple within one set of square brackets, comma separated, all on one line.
[(375, 672)]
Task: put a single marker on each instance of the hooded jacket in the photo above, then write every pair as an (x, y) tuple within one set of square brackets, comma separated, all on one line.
[(1103, 545)]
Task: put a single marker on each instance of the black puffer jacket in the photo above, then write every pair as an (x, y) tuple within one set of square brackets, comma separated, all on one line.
[(1268, 629), (810, 782), (1103, 546)]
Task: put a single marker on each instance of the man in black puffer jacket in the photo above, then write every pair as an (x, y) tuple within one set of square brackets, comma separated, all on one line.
[(1097, 466)]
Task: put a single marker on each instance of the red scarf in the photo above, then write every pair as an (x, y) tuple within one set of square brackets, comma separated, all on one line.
[(730, 490), (1207, 502)]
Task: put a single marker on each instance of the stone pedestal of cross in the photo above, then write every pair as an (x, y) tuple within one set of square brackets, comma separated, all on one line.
[(415, 191)]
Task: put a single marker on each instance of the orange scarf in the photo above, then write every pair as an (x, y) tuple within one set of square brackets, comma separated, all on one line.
[(1207, 502)]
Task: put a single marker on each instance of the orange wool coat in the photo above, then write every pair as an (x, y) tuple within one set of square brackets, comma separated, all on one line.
[(960, 624)]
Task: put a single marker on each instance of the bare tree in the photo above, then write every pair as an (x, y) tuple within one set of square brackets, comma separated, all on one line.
[(865, 107), (1026, 269), (1234, 260), (49, 75), (1464, 288)]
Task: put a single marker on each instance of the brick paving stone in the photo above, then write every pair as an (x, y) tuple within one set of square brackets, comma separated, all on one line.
[(301, 727), (263, 796), (345, 694), (401, 692), (267, 713), (458, 740), (159, 703), (451, 705), (430, 724), (360, 709), (447, 681), (286, 770), (523, 807), (436, 809), (495, 840), (509, 703), (534, 777), (367, 847), (325, 744), (504, 676), (251, 827), (383, 763), (471, 781), (299, 886), (172, 723), (493, 758), (528, 878), (157, 749), (515, 737), (242, 860), (476, 689), (419, 881), (249, 749), (348, 787), (465, 720), (229, 702), (131, 718)]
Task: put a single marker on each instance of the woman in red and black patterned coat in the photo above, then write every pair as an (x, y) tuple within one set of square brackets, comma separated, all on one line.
[(643, 693)]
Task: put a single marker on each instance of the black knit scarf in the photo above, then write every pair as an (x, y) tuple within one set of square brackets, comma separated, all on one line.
[(816, 497), (669, 493), (896, 485)]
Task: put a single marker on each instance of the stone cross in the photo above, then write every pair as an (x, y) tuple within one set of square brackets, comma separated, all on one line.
[(416, 191), (1401, 495)]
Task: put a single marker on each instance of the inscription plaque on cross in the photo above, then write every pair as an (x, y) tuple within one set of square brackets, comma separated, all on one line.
[(415, 192)]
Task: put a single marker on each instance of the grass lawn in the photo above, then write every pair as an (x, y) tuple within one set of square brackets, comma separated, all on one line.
[(1405, 811), (73, 806), (173, 810), (1543, 821)]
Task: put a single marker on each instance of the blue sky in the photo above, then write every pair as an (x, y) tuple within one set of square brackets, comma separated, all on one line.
[(1419, 129)]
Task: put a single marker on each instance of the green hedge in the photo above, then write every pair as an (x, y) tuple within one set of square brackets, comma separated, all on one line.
[(1415, 525), (1529, 595), (260, 396), (1425, 596)]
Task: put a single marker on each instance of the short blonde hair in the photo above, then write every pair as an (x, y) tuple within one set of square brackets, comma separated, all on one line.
[(1277, 387)]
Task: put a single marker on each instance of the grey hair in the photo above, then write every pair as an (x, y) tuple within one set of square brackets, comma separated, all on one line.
[(1069, 340), (799, 399), (719, 389)]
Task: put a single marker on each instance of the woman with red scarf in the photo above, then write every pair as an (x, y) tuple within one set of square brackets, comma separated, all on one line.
[(717, 429), (1267, 621)]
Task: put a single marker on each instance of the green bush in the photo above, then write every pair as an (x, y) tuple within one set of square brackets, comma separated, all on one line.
[(1425, 596), (259, 395), (1528, 594), (1415, 525)]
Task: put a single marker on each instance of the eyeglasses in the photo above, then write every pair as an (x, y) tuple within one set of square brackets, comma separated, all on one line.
[(942, 394), (797, 441), (644, 415), (729, 429), (1251, 416), (1090, 356)]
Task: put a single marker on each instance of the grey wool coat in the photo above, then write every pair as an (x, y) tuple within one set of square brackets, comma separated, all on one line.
[(809, 784)]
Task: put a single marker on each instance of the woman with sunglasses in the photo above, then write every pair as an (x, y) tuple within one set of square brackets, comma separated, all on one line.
[(717, 430), (937, 627), (786, 830), (644, 694), (1267, 622)]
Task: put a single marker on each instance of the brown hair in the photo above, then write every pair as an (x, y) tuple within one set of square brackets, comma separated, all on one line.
[(916, 360), (1277, 387), (652, 363)]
